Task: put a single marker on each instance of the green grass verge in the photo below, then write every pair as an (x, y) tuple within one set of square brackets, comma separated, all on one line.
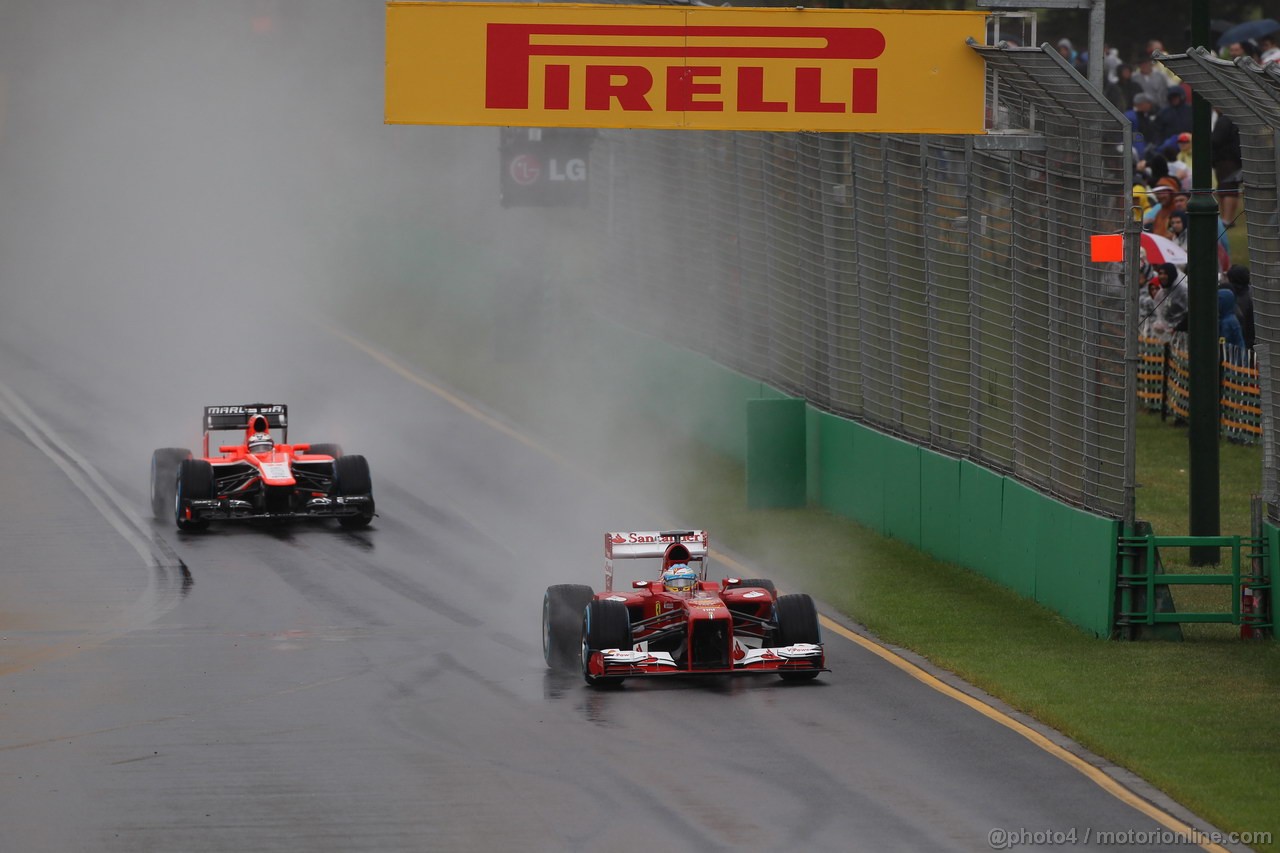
[(1163, 500), (1163, 479), (1197, 719)]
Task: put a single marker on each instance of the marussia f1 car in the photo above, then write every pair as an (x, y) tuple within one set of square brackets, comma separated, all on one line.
[(681, 623), (258, 478)]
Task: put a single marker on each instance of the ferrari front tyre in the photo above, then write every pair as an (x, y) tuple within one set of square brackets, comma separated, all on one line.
[(562, 608), (194, 483), (334, 450), (605, 625), (164, 474), (797, 622), (352, 479)]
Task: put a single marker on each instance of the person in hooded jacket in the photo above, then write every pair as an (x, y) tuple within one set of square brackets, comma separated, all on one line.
[(1172, 301), (1174, 119), (1178, 224), (1122, 90), (1238, 278), (1229, 325), (1142, 116), (1228, 168), (1153, 80), (1078, 61), (1148, 300)]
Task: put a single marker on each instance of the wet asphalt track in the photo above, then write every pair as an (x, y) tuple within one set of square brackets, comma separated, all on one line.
[(307, 689)]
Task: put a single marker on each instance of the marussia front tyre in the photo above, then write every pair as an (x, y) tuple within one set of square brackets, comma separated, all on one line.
[(605, 625), (563, 606), (164, 477), (352, 479), (195, 483)]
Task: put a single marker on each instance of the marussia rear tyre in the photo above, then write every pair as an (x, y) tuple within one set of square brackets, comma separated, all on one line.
[(606, 625), (164, 478), (797, 621), (195, 483), (563, 609)]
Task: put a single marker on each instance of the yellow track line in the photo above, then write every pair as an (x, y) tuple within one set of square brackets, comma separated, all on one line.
[(1099, 778), (1094, 774)]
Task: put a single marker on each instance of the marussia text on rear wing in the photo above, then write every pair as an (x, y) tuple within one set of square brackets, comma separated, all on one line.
[(218, 418)]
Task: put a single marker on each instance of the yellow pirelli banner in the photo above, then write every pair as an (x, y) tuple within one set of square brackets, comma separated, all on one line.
[(714, 68)]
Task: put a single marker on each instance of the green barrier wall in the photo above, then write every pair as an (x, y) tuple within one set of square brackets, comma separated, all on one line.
[(1058, 555), (1047, 551), (776, 453)]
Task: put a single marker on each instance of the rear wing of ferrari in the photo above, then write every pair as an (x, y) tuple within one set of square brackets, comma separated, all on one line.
[(632, 545)]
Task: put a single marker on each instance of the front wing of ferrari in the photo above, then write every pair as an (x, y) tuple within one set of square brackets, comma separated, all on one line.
[(801, 657)]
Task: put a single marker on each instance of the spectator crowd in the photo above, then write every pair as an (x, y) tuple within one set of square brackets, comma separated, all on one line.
[(1158, 105)]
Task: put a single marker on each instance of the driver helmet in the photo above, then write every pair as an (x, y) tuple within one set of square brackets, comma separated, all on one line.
[(260, 442), (678, 577)]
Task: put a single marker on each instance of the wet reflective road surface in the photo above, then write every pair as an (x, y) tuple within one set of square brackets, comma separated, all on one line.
[(305, 688)]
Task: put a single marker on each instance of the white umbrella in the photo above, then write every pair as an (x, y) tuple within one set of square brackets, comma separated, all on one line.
[(1162, 250)]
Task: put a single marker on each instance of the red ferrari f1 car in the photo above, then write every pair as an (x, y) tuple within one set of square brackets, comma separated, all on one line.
[(680, 623), (257, 478)]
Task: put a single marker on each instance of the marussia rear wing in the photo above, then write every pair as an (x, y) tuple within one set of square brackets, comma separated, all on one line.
[(632, 545), (225, 418)]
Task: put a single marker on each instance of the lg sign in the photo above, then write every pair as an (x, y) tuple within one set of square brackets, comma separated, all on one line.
[(544, 167), (525, 169)]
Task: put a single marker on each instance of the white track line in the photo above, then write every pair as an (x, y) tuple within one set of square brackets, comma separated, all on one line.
[(110, 503)]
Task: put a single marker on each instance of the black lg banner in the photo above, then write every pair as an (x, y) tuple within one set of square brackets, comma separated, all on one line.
[(544, 167)]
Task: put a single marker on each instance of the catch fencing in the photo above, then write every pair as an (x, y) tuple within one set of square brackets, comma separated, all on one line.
[(1249, 94), (937, 288)]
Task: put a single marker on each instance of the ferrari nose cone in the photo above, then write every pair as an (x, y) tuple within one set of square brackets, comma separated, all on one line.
[(703, 605)]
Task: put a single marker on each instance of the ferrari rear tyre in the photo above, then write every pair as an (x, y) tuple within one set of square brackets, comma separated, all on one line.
[(563, 607), (164, 477), (606, 625), (762, 583), (352, 479), (797, 620), (194, 483), (334, 450)]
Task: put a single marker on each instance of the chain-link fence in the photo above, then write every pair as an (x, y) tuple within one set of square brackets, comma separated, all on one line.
[(1249, 94), (938, 288)]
